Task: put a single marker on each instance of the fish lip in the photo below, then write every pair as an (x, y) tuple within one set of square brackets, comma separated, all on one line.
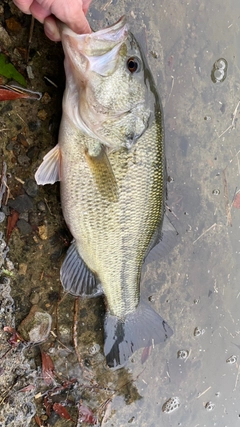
[(115, 35)]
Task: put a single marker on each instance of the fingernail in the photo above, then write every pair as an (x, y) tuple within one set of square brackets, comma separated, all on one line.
[(51, 29)]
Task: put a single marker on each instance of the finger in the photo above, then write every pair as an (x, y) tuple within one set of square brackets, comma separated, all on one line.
[(74, 16), (85, 6), (23, 5), (38, 11), (80, 27), (51, 29)]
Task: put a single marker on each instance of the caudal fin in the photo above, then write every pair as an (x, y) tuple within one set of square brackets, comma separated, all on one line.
[(141, 328)]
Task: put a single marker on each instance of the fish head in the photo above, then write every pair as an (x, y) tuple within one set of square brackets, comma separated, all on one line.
[(107, 94)]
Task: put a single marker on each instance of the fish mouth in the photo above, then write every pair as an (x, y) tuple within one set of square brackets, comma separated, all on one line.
[(96, 43)]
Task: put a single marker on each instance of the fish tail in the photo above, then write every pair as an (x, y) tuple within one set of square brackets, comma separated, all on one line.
[(141, 328)]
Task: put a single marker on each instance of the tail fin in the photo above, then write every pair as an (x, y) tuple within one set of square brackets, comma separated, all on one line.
[(138, 329)]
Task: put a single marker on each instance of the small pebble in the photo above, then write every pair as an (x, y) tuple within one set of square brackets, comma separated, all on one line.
[(36, 326), (42, 115), (43, 232), (24, 227), (34, 125), (22, 269), (13, 25), (30, 72), (2, 216), (42, 206), (46, 98), (23, 160), (21, 204), (24, 216), (31, 187)]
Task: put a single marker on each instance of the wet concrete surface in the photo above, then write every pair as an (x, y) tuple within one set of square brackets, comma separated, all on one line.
[(195, 287)]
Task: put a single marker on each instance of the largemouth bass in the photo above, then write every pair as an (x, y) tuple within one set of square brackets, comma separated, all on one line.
[(110, 162)]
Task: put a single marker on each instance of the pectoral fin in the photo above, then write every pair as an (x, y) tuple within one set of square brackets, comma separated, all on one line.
[(49, 170), (102, 172)]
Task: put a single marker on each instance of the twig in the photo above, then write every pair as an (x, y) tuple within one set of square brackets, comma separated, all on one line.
[(170, 93), (206, 231), (205, 391), (30, 37), (232, 125), (105, 6), (50, 81), (75, 324), (238, 372), (59, 342)]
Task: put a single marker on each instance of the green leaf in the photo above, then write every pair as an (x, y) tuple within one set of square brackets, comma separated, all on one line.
[(9, 71)]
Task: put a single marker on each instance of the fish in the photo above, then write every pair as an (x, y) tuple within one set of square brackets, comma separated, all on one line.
[(110, 162)]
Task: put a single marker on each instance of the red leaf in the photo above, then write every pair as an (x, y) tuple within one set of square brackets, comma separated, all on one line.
[(47, 368), (48, 406), (12, 221), (38, 420), (28, 387), (9, 93), (86, 415), (15, 338), (61, 411), (236, 201)]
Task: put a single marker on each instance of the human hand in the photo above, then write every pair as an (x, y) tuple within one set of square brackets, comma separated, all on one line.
[(71, 12)]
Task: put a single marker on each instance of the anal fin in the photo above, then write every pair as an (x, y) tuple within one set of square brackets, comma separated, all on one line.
[(76, 277)]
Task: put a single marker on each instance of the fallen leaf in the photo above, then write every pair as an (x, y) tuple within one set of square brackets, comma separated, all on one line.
[(9, 93), (47, 368), (13, 25), (107, 413), (86, 415), (15, 338), (12, 222), (62, 412), (9, 71), (28, 387), (38, 420), (48, 405)]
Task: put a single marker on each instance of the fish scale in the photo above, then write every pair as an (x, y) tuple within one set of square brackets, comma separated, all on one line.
[(113, 237), (110, 162)]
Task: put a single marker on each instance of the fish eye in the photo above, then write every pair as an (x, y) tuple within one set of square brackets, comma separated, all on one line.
[(133, 64)]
